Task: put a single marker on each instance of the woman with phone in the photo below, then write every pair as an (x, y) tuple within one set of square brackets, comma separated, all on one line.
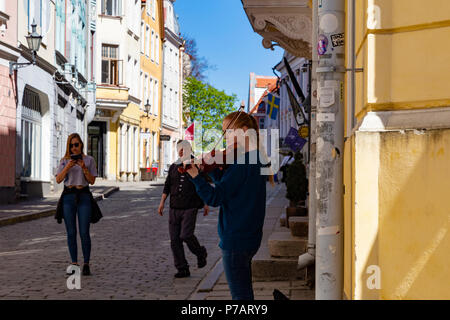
[(77, 170)]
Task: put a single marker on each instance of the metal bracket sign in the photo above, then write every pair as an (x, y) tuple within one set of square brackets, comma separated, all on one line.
[(164, 137)]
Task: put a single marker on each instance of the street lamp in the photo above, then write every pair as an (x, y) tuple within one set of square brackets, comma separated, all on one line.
[(147, 107), (34, 42)]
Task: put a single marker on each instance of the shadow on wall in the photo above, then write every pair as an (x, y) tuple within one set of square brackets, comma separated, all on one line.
[(412, 244)]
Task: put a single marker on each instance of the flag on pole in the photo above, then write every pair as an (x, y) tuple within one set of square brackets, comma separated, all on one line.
[(273, 106), (189, 133), (299, 115), (294, 141)]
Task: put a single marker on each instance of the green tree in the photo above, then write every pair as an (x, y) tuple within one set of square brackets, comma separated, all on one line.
[(202, 102)]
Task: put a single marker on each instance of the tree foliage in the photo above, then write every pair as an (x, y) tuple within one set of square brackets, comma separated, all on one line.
[(207, 104), (199, 64)]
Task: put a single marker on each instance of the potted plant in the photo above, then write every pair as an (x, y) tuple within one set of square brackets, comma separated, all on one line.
[(297, 187)]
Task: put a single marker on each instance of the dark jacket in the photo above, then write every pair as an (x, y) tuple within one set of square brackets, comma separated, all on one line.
[(96, 214), (240, 191), (182, 191)]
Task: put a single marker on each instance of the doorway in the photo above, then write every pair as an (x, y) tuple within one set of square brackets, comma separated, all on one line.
[(96, 145)]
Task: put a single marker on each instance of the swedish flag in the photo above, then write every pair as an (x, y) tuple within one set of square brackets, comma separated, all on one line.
[(273, 106)]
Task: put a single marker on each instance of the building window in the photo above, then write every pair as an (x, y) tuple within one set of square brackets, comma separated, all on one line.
[(153, 45), (152, 97), (156, 98), (157, 49), (146, 89), (31, 135), (142, 38), (153, 9), (111, 65), (111, 7), (147, 41)]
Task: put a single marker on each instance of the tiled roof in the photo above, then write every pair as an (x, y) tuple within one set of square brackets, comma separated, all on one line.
[(264, 82)]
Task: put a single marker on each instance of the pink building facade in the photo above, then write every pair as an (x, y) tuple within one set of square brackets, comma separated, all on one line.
[(8, 97)]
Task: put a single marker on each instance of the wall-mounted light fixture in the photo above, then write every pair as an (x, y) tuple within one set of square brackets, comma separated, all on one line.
[(34, 43), (147, 108)]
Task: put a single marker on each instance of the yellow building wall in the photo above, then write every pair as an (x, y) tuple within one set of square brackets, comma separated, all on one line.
[(153, 123), (396, 214), (414, 215), (401, 54)]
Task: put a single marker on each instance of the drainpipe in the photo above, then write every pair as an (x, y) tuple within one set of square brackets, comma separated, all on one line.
[(329, 150), (308, 258)]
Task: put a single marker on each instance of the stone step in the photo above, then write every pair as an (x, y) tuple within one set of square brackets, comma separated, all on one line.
[(284, 245), (283, 220), (298, 226), (295, 212), (267, 268)]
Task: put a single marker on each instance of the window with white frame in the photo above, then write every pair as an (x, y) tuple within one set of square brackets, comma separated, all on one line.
[(157, 49), (129, 72), (145, 89), (152, 97), (111, 65), (153, 9), (141, 77), (153, 45), (135, 79), (142, 38), (147, 41), (156, 96), (111, 7), (31, 127), (148, 8)]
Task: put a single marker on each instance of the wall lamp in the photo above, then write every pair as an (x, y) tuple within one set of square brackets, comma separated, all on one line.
[(34, 42)]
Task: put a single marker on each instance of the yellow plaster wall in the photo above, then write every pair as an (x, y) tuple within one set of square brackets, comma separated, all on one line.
[(153, 69), (405, 59), (414, 215)]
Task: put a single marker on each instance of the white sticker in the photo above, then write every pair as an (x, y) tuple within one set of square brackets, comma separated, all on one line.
[(326, 97), (328, 230), (325, 117), (329, 23)]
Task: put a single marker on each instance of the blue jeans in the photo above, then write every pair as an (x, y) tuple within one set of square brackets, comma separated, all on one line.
[(238, 270), (70, 208)]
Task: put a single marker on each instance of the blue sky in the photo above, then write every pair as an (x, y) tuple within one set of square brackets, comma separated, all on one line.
[(226, 39)]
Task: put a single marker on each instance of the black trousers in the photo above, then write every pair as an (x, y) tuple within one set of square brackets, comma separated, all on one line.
[(181, 229)]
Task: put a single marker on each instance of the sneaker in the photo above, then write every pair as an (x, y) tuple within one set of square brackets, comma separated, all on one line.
[(182, 273), (86, 270), (201, 260)]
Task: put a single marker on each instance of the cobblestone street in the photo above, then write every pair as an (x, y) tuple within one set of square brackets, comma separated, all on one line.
[(131, 256)]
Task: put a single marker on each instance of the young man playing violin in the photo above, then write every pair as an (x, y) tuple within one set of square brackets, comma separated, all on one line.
[(240, 192), (184, 205)]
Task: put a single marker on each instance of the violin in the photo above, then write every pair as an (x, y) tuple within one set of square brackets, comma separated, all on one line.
[(205, 165)]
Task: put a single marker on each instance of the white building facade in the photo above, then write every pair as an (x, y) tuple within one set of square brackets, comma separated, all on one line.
[(171, 121)]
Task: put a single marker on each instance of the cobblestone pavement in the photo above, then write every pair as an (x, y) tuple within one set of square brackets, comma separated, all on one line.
[(131, 256)]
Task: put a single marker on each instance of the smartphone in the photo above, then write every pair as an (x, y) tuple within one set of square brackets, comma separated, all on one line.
[(76, 157)]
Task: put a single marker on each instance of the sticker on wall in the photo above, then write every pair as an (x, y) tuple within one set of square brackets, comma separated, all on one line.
[(337, 40), (322, 45), (325, 117), (328, 23)]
